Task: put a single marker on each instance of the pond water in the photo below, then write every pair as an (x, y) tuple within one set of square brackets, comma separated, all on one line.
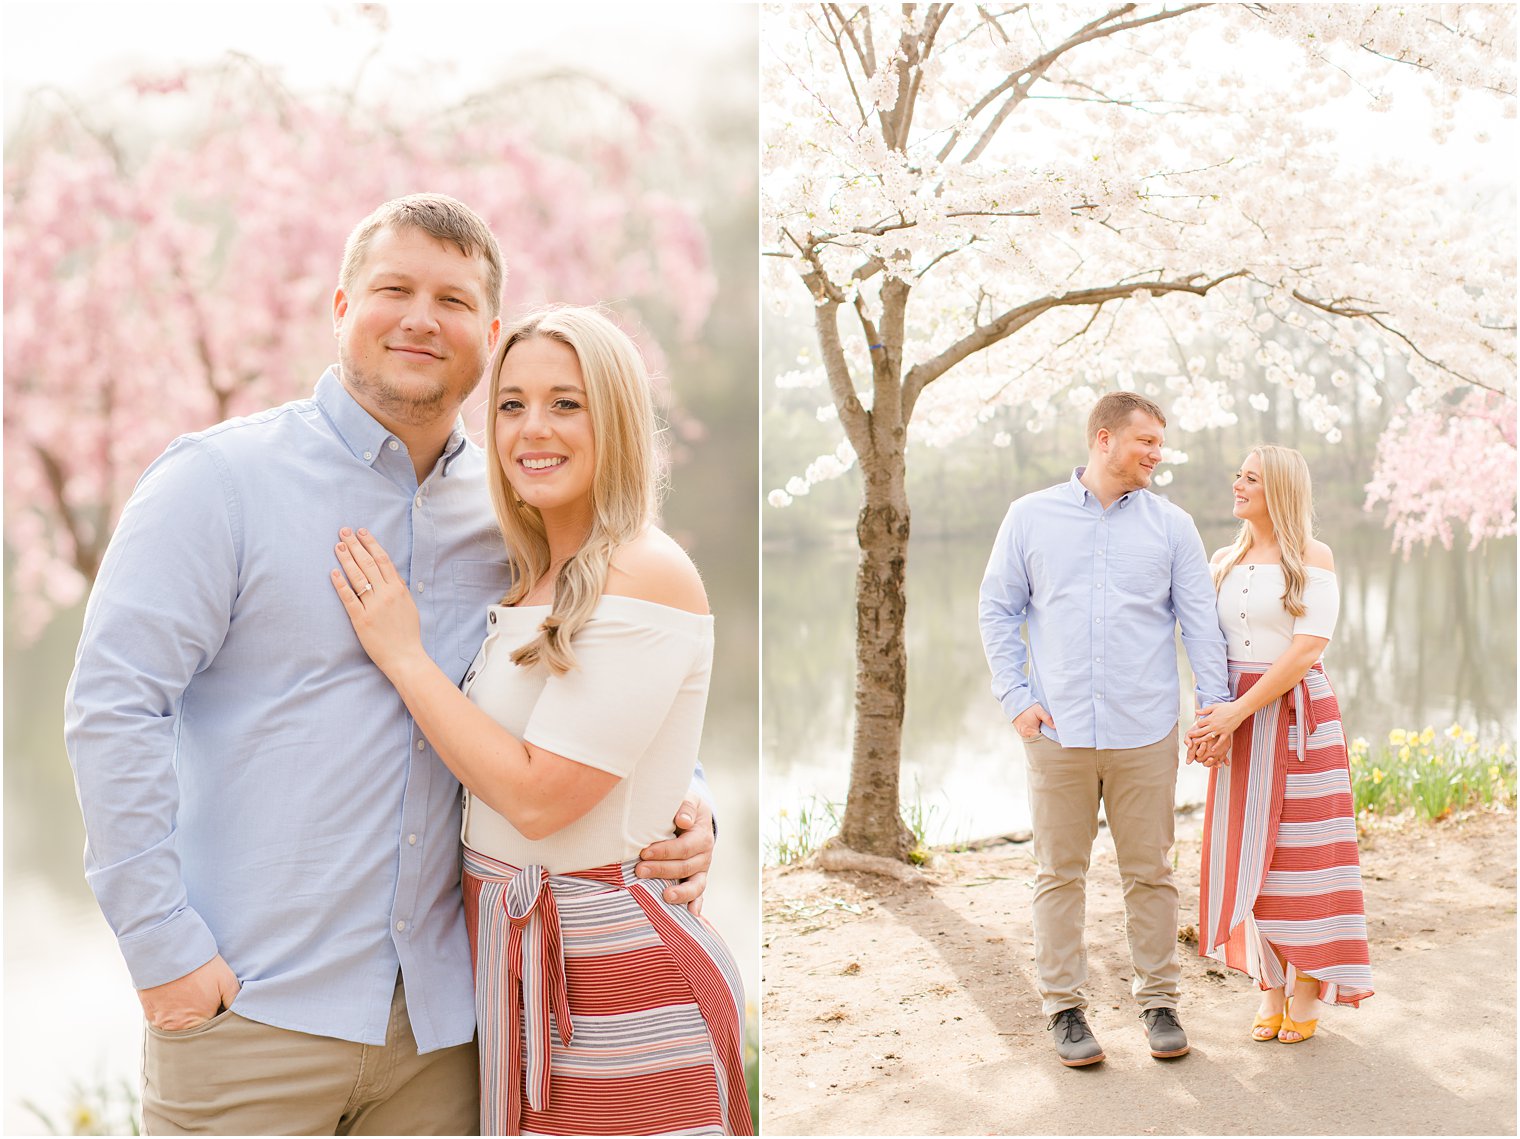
[(1419, 642)]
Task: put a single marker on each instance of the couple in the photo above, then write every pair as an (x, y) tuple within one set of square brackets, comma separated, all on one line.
[(1102, 572), (272, 803)]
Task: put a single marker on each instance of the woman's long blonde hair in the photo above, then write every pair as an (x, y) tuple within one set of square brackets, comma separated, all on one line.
[(624, 481), (1290, 509)]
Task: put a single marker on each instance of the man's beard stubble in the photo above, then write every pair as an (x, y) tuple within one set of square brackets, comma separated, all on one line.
[(411, 407)]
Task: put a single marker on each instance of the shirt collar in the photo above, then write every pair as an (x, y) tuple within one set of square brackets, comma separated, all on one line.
[(1080, 492), (360, 431)]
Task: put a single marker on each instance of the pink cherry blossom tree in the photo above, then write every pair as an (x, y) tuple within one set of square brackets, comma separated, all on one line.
[(1448, 466), (171, 252), (1008, 209)]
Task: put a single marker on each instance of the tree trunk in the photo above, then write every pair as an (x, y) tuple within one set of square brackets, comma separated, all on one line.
[(872, 816), (873, 812)]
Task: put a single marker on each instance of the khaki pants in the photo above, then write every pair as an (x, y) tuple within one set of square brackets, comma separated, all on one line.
[(1138, 788), (233, 1076)]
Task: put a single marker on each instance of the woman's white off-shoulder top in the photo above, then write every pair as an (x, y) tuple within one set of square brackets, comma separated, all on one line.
[(1251, 612), (633, 707)]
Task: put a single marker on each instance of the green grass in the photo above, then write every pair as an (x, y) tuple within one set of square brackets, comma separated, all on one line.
[(1431, 774), (798, 833), (104, 1107)]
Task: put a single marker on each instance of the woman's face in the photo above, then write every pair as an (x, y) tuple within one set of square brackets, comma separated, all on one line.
[(1250, 494), (544, 435)]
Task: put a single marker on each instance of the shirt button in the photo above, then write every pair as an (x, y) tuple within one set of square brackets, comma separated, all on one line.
[(1248, 642), (1100, 696), (411, 840), (422, 745), (421, 585), (491, 617), (393, 445), (401, 927), (1097, 660), (1242, 613), (1100, 553), (369, 455), (469, 676), (417, 502), (1097, 620)]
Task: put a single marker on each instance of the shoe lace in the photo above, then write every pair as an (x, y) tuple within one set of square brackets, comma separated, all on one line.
[(1072, 1023), (1154, 1016)]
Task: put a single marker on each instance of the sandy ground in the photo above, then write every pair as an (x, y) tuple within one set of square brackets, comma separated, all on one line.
[(909, 1008)]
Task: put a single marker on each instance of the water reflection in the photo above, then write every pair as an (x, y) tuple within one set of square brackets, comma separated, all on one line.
[(1419, 642)]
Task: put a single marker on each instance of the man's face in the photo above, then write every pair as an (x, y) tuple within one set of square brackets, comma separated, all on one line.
[(416, 329), (1130, 455)]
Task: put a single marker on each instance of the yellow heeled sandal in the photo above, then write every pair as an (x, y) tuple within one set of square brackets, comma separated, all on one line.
[(1272, 1022), (1304, 1028)]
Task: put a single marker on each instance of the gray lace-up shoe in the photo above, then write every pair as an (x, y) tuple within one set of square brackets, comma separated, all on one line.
[(1165, 1033), (1075, 1043)]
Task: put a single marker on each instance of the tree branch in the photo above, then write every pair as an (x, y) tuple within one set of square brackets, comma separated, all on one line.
[(1341, 307), (922, 374)]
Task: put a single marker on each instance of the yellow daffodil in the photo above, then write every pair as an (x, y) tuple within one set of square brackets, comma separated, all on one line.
[(1404, 753), (1377, 775), (1468, 737), (1454, 731), (1493, 771), (1397, 736), (1427, 735)]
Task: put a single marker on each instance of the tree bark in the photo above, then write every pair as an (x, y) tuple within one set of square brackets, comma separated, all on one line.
[(872, 816)]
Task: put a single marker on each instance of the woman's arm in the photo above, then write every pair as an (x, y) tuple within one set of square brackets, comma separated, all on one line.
[(1286, 671), (537, 791)]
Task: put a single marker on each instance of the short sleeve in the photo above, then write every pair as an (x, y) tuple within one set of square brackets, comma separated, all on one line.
[(606, 712), (1322, 604)]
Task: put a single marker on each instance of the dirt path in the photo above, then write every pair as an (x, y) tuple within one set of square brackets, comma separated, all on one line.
[(910, 1008)]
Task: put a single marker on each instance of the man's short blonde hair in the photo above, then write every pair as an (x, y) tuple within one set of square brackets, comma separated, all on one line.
[(1113, 411), (436, 215)]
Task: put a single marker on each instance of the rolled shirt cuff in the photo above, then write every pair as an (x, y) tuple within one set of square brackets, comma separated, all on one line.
[(169, 950)]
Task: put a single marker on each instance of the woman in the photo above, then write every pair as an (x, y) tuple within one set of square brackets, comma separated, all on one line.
[(600, 1008), (1281, 895)]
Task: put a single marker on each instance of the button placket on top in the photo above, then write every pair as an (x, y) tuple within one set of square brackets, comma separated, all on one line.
[(416, 562), (1104, 577)]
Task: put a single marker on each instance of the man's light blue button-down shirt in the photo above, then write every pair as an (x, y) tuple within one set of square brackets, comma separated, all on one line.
[(251, 784), (1101, 592)]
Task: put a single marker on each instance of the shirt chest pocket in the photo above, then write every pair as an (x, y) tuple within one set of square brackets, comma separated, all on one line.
[(477, 585), (1145, 574)]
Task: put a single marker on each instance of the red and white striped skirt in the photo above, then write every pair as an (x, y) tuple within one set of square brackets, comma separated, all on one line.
[(599, 1008), (1281, 880)]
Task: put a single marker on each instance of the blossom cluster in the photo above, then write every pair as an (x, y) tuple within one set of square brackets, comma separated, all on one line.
[(1141, 210), (171, 256)]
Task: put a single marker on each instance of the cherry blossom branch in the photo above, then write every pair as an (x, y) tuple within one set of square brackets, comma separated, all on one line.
[(921, 375), (1025, 78), (1343, 307)]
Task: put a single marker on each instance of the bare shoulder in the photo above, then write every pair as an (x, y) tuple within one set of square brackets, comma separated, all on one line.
[(653, 567), (1318, 555)]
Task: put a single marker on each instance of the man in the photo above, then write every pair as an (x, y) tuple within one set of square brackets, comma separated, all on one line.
[(273, 842), (1101, 571)]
